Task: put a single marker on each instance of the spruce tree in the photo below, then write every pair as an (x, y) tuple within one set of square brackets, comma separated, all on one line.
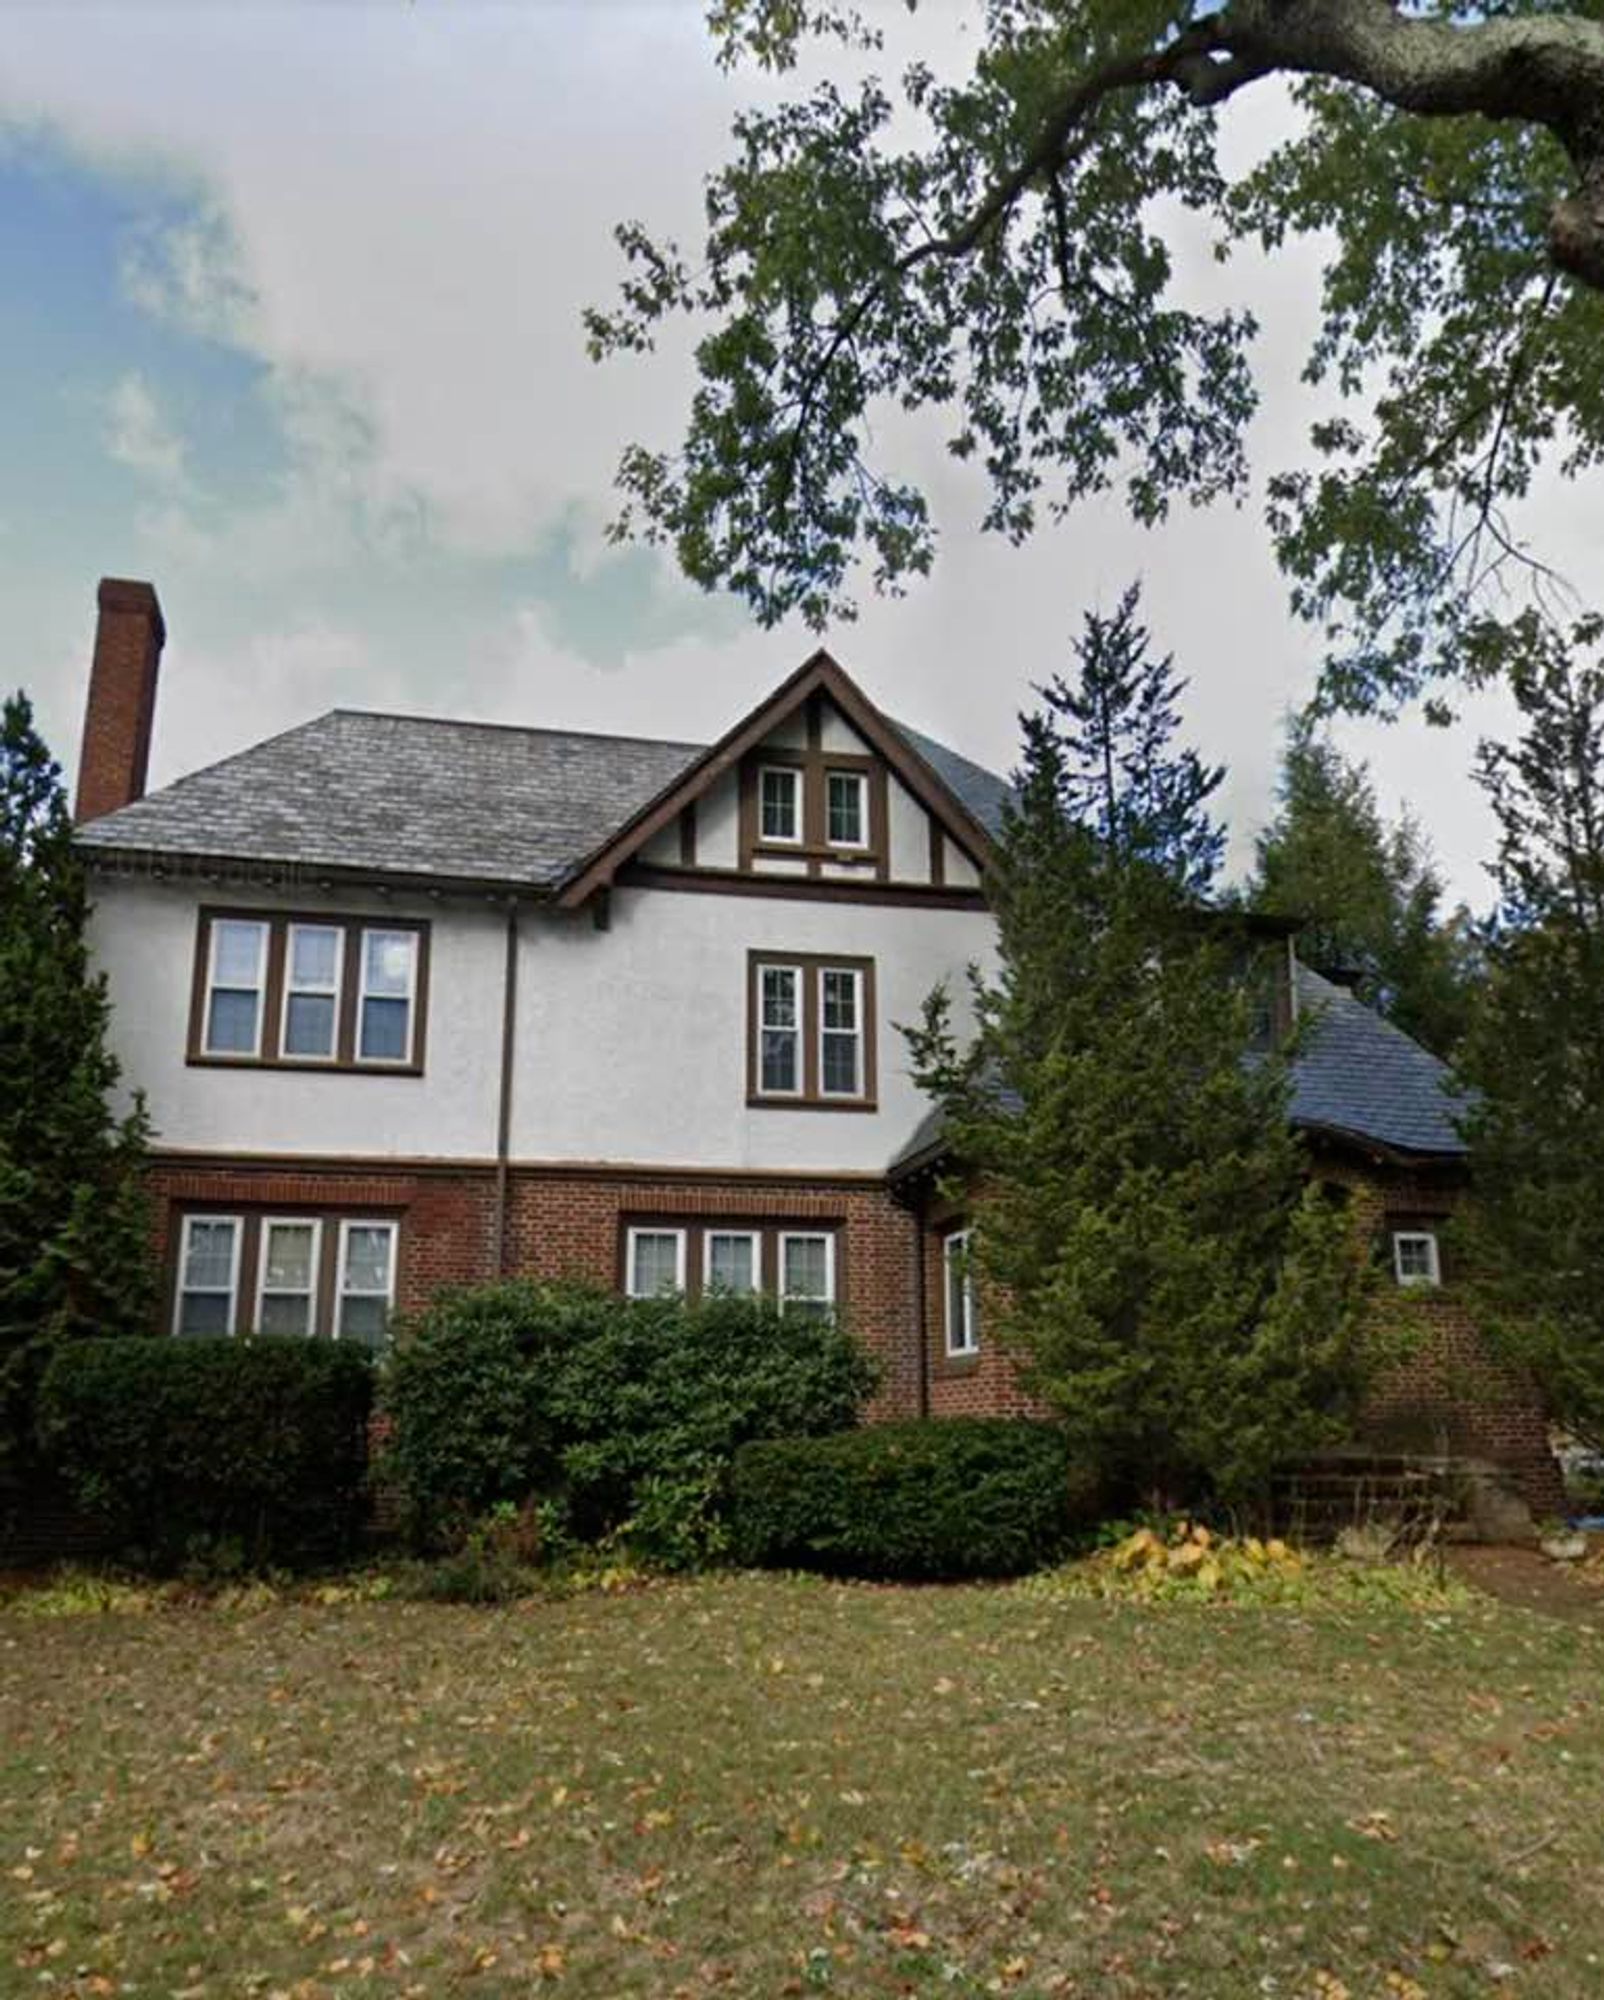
[(1535, 1052), (1172, 1286), (75, 1252)]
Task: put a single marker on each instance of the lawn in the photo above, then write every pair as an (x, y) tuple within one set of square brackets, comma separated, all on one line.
[(766, 1787)]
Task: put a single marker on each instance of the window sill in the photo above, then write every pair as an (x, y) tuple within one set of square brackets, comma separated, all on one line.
[(853, 857), (953, 1365), (755, 1102), (305, 1065)]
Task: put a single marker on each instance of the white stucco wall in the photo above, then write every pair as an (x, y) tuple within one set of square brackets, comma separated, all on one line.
[(718, 817), (909, 833)]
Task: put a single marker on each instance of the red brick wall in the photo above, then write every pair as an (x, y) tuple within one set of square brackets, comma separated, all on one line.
[(980, 1385)]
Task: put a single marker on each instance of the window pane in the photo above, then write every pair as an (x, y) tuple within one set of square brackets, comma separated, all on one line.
[(779, 1059), (388, 961), (287, 1257), (779, 805), (805, 1267), (314, 956), (654, 1256), (732, 1263), (237, 952), (231, 1023), (840, 999), (845, 809), (209, 1255), (960, 1295), (204, 1313), (287, 1313), (367, 1259), (384, 1030), (364, 1320), (309, 1024), (840, 1073), (779, 996)]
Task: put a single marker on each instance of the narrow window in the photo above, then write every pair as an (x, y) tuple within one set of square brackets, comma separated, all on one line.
[(730, 1261), (312, 991), (963, 1333), (840, 1033), (779, 803), (208, 1274), (807, 1274), (365, 1281), (845, 808), (289, 1268), (656, 1262), (780, 1030), (236, 974), (389, 978), (1414, 1257)]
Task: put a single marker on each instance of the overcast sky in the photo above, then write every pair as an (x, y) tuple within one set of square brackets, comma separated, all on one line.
[(290, 326)]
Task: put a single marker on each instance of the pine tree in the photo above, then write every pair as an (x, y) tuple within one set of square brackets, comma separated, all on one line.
[(1174, 1289), (74, 1226), (1368, 892), (1535, 1053)]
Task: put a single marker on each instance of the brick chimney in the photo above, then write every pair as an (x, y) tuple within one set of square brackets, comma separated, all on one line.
[(122, 698)]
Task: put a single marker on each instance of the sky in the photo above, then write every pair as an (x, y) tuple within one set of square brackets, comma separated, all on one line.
[(291, 327)]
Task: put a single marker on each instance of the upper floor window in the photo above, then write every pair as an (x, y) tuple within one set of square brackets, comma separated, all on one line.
[(780, 803), (316, 992), (962, 1324), (811, 1031), (814, 811), (1415, 1260), (846, 808)]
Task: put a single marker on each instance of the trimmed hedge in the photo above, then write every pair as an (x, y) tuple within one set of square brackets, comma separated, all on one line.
[(203, 1449), (964, 1496)]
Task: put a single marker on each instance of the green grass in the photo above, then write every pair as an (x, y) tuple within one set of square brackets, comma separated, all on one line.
[(762, 1787)]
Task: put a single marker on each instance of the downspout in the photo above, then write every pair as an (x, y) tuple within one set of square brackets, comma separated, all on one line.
[(921, 1311), (509, 1037)]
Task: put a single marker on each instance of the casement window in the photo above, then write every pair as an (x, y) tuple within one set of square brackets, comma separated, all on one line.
[(811, 1032), (795, 1265), (291, 1276), (779, 804), (958, 1294), (1415, 1259), (313, 992), (846, 808)]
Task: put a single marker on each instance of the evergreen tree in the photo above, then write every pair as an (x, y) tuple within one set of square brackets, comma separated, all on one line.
[(1175, 1290), (1371, 898), (1535, 1053), (74, 1225)]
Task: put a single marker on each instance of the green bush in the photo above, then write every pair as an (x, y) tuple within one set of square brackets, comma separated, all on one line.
[(969, 1496), (206, 1445), (628, 1411)]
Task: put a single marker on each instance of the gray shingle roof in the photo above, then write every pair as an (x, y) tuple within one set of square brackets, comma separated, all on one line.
[(400, 795), (981, 792)]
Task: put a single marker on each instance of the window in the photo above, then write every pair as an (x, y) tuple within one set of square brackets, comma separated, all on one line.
[(309, 992), (812, 1032), (780, 803), (963, 1329), (1414, 1257), (366, 1289), (846, 808), (312, 991), (208, 1274), (236, 978), (286, 1299), (656, 1262), (807, 1274), (732, 1261)]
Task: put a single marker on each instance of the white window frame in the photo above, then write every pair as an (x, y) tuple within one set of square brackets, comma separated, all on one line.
[(181, 1290), (342, 1292), (315, 1223), (336, 992), (797, 1032), (264, 931), (1429, 1238), (752, 1236), (859, 1078), (955, 1245), (795, 778), (408, 1055), (825, 1236), (859, 780), (632, 1236)]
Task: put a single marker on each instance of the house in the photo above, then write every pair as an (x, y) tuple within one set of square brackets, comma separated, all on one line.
[(418, 1002)]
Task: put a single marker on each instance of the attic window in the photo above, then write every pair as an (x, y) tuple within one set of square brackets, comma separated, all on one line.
[(780, 803), (846, 808)]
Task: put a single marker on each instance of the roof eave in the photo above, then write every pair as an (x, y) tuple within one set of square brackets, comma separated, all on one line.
[(160, 864)]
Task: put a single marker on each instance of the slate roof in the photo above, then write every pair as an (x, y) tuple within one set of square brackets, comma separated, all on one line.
[(1357, 1077), (401, 795)]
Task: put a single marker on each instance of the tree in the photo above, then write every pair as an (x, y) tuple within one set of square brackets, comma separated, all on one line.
[(74, 1227), (1369, 894), (1186, 1304), (1535, 1054), (1009, 266)]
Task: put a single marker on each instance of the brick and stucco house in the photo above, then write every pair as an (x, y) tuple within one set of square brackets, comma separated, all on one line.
[(421, 1002)]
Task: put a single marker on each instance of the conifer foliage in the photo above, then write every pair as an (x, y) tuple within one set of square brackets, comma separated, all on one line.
[(74, 1231), (1184, 1300)]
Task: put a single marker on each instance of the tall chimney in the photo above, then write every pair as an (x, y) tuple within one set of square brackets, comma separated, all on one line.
[(122, 698)]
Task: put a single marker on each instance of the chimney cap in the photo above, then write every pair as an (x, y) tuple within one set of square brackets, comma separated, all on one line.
[(123, 593)]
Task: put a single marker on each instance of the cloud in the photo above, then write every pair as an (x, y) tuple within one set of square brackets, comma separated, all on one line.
[(139, 436)]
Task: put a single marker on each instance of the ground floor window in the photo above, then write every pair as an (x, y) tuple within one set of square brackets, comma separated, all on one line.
[(294, 1276), (958, 1294), (791, 1262)]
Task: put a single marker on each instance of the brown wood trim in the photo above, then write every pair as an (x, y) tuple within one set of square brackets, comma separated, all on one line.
[(880, 820), (938, 852), (687, 836), (388, 1166), (812, 965), (798, 888)]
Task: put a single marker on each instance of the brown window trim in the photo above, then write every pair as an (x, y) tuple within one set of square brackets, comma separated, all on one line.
[(345, 1061), (768, 1231), (325, 1293), (810, 1098), (815, 848)]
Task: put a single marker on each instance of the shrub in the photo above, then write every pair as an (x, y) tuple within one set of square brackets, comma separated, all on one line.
[(187, 1445), (968, 1496)]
